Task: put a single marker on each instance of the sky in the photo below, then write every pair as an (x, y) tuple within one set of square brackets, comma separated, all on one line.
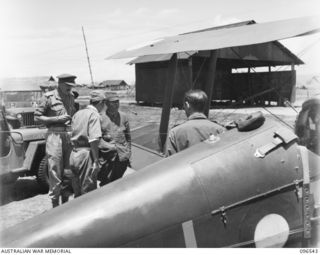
[(44, 37)]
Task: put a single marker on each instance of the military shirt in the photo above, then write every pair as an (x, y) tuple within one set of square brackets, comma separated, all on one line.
[(55, 103), (117, 129), (195, 130), (86, 127)]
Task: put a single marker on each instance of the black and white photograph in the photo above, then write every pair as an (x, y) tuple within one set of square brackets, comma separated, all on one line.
[(159, 124)]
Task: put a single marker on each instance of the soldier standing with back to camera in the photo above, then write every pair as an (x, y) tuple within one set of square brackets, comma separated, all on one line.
[(116, 132), (196, 129), (86, 135), (55, 111)]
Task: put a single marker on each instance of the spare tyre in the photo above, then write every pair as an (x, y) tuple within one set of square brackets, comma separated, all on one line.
[(42, 174)]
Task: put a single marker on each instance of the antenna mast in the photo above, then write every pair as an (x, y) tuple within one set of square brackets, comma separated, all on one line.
[(85, 42)]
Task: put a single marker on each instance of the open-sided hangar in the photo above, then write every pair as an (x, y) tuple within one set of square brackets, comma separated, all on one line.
[(249, 86)]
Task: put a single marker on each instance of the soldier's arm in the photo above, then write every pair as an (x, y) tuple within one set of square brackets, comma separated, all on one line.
[(41, 112), (127, 131), (94, 135), (103, 145), (171, 147), (62, 119), (94, 146)]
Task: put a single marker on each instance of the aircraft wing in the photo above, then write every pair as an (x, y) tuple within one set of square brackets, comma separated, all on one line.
[(227, 37)]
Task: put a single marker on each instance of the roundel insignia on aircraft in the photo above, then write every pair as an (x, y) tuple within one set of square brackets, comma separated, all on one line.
[(271, 231)]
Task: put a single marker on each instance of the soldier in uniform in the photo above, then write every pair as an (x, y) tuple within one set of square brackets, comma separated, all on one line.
[(196, 129), (116, 132), (86, 134), (55, 111)]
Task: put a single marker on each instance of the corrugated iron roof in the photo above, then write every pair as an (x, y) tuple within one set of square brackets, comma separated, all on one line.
[(227, 37)]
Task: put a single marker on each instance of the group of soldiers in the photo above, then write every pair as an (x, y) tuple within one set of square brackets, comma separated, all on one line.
[(93, 145), (82, 146)]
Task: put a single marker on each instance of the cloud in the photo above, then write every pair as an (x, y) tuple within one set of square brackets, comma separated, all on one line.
[(115, 14), (168, 12), (32, 34), (141, 11)]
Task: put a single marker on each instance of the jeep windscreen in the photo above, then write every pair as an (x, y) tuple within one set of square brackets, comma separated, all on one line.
[(13, 99)]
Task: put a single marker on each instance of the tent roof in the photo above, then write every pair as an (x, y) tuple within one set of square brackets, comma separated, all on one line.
[(226, 37)]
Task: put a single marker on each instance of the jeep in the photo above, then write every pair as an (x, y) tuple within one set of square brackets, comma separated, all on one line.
[(22, 153), (20, 107)]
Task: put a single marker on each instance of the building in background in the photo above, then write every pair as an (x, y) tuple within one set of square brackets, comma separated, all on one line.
[(256, 74), (49, 85), (113, 85)]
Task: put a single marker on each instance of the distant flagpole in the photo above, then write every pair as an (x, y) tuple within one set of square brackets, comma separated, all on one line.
[(85, 43)]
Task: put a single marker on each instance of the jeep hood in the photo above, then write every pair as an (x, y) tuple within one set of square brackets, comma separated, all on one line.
[(31, 134)]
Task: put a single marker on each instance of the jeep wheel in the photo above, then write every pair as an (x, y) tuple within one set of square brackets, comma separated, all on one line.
[(42, 174)]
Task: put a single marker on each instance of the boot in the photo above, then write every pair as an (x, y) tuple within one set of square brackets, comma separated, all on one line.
[(55, 203), (64, 199), (103, 182)]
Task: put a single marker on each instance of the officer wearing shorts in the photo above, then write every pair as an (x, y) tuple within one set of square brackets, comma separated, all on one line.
[(55, 111)]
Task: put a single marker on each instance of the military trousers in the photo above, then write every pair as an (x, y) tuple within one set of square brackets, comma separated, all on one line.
[(81, 164), (58, 149), (112, 169)]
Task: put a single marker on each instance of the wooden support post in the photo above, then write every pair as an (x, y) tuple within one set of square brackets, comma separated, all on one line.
[(210, 79), (167, 101), (293, 91), (249, 85), (190, 73)]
